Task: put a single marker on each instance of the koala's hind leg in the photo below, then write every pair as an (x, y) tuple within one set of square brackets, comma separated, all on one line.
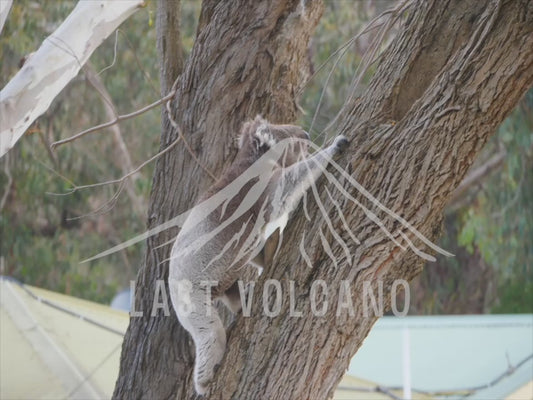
[(200, 318)]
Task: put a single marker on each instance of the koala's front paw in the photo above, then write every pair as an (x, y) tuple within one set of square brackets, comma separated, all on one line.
[(341, 143)]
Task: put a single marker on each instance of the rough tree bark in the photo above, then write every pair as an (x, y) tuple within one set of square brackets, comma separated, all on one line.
[(455, 70)]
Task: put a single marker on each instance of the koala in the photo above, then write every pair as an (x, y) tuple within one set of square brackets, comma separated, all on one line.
[(231, 223)]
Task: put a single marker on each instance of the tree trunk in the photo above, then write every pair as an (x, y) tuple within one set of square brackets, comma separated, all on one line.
[(248, 58), (454, 71)]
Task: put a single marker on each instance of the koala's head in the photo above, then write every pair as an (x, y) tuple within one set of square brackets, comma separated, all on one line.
[(259, 136)]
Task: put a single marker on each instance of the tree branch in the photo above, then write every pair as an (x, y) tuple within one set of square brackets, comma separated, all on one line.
[(118, 119), (57, 61), (123, 178)]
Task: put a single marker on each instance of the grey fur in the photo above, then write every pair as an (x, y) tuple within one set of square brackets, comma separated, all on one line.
[(230, 225)]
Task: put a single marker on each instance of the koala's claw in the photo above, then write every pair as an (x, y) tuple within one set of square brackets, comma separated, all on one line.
[(341, 142)]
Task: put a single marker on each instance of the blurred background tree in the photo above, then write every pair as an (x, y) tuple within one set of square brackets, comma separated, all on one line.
[(43, 236), (490, 229)]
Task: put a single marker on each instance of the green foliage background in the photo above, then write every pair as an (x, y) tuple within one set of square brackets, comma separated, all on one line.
[(44, 236)]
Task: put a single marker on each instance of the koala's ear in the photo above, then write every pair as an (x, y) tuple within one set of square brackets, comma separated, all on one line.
[(246, 131), (260, 120), (249, 129)]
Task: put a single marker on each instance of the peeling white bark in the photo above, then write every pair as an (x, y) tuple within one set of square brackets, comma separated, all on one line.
[(58, 60)]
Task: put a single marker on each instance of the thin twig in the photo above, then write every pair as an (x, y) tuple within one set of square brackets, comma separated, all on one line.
[(338, 50), (104, 207), (120, 118), (370, 56), (115, 48), (342, 50), (56, 41), (123, 178), (139, 64), (114, 181), (111, 112), (54, 171)]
